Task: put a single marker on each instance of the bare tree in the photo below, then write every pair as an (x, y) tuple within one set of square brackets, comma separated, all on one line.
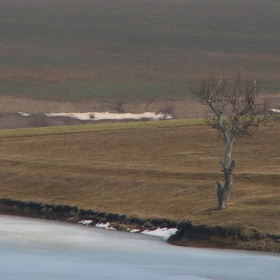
[(236, 112)]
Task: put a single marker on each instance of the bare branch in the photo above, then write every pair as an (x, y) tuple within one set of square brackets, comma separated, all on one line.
[(236, 112), (235, 106)]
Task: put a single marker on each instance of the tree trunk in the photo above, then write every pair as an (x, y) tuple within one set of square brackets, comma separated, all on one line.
[(223, 191)]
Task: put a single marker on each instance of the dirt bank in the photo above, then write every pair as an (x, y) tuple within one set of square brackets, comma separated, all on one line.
[(188, 234)]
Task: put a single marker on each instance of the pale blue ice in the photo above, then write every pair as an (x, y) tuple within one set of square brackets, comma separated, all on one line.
[(39, 249)]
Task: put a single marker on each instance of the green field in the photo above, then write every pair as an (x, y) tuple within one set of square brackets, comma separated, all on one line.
[(4, 133), (134, 49)]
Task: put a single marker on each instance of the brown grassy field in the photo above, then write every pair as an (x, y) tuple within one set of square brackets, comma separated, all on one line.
[(166, 171)]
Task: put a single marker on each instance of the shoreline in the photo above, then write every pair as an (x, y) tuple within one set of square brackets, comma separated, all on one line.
[(188, 234)]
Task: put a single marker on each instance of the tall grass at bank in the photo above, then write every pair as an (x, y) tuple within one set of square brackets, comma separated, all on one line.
[(97, 127)]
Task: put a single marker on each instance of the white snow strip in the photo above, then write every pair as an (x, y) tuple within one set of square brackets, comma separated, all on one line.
[(101, 225), (275, 110), (24, 114), (106, 226), (164, 233), (135, 230), (85, 222), (96, 116), (111, 228)]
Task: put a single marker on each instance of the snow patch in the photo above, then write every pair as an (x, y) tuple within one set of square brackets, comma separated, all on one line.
[(24, 114), (96, 116), (106, 226), (101, 225), (275, 110), (134, 230), (85, 222), (164, 233)]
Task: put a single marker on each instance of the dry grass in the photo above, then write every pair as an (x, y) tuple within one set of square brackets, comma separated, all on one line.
[(153, 170)]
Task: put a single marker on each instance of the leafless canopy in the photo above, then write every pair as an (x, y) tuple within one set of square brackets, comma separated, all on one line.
[(235, 105), (236, 110)]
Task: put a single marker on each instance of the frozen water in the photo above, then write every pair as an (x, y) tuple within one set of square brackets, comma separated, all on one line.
[(39, 249)]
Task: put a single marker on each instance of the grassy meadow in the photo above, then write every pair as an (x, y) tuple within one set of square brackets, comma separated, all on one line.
[(156, 169), (150, 49)]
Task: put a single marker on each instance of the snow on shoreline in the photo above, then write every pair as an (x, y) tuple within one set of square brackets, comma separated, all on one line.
[(106, 226), (134, 230), (97, 116), (163, 233), (85, 222)]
